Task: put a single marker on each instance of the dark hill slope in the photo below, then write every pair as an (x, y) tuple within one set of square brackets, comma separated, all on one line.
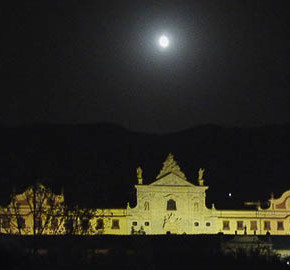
[(96, 163)]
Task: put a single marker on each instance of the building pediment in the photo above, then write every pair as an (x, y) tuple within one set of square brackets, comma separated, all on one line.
[(171, 179), (281, 203)]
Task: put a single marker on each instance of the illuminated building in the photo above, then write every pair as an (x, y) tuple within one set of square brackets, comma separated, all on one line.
[(170, 204)]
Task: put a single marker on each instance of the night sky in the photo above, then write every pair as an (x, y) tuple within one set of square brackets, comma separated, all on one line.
[(98, 61)]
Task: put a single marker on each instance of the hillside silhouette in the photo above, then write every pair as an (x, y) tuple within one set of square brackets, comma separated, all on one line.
[(96, 163)]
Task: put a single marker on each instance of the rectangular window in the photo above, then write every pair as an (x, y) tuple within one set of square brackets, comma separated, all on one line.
[(134, 223), (69, 224), (226, 225), (267, 225), (115, 224), (6, 222), (240, 225), (280, 225), (147, 223), (254, 226), (21, 222), (85, 224), (100, 224)]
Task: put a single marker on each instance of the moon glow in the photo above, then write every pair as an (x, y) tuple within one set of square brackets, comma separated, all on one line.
[(163, 41)]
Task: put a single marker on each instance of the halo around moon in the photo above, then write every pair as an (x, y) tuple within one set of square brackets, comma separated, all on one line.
[(163, 41)]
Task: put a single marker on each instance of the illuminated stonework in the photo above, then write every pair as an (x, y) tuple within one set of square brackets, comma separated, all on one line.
[(170, 166), (170, 204)]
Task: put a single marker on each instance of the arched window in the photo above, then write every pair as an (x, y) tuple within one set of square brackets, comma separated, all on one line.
[(146, 206), (171, 205)]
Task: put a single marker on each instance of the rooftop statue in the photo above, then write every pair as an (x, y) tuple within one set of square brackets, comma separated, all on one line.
[(139, 175), (200, 174)]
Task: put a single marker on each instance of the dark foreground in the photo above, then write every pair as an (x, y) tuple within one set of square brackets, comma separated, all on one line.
[(133, 252)]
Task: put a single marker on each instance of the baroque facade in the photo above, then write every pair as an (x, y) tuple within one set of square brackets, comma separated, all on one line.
[(170, 204)]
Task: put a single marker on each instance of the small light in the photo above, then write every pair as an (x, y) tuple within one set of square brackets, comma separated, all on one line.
[(230, 194), (287, 262)]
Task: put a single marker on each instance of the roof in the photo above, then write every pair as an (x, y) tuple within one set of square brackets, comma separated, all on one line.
[(171, 179)]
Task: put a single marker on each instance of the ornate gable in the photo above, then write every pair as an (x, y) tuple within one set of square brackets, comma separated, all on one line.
[(171, 179), (170, 166), (171, 174)]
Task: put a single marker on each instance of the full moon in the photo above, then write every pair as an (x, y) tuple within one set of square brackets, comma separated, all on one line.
[(163, 41)]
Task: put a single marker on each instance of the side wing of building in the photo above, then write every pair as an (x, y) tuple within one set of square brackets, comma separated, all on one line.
[(274, 220)]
